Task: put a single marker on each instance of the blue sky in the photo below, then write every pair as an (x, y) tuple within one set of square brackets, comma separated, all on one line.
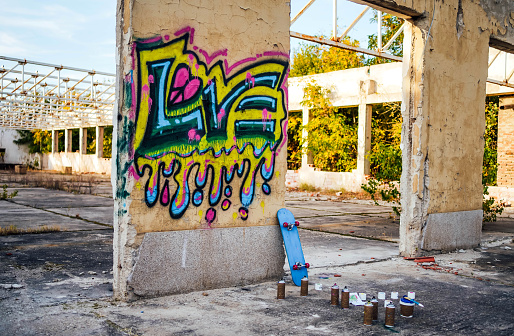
[(81, 33)]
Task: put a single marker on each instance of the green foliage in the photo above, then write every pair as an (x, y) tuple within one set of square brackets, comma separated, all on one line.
[(312, 59), (490, 207), (294, 140), (307, 187), (107, 141), (4, 195), (332, 132), (38, 141), (388, 192), (385, 156), (490, 164), (390, 24)]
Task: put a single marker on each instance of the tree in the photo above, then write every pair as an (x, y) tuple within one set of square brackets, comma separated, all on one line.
[(332, 132), (38, 141), (312, 59), (390, 25), (490, 165)]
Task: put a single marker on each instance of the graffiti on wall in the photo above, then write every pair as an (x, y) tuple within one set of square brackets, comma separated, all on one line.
[(197, 121)]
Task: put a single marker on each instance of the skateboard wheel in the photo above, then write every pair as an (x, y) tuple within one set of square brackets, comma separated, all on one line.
[(307, 265), (295, 267), (297, 223), (285, 224)]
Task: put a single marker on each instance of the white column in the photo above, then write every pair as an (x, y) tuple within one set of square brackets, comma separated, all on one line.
[(55, 141), (306, 155), (100, 141), (367, 87), (83, 141), (67, 140)]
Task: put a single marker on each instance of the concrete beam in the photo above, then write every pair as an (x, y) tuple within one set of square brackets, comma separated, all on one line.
[(99, 141), (83, 140)]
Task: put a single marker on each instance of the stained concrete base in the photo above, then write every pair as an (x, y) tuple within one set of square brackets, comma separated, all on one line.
[(184, 261), (452, 230)]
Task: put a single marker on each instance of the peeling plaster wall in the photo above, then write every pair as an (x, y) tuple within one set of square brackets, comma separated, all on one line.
[(201, 147)]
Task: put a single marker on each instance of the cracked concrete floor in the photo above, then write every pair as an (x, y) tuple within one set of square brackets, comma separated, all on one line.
[(60, 283)]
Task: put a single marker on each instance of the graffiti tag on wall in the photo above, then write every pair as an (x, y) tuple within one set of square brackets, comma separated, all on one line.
[(194, 116)]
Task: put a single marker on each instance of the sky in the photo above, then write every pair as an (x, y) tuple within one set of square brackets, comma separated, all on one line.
[(81, 33)]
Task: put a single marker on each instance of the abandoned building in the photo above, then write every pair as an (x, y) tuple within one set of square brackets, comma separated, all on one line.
[(201, 99)]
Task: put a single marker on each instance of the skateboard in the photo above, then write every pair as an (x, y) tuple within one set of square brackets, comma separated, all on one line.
[(288, 227)]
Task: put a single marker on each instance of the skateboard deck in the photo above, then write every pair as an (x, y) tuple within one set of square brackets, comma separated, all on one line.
[(288, 227)]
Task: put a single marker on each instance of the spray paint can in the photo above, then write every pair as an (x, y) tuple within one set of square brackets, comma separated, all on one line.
[(334, 295), (406, 307), (374, 302), (281, 289), (368, 313), (345, 298), (389, 315), (304, 288)]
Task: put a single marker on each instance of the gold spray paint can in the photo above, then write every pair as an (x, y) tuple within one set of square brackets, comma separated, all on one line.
[(334, 295), (345, 298), (406, 307), (374, 302), (389, 315), (304, 288), (281, 289), (368, 314)]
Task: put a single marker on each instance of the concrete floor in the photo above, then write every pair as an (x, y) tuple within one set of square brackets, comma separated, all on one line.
[(60, 283)]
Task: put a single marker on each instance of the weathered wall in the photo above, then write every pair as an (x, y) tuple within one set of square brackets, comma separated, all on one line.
[(444, 89), (18, 154), (79, 163), (201, 147), (505, 142)]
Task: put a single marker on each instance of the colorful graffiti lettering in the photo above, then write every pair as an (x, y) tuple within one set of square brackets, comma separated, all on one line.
[(194, 117)]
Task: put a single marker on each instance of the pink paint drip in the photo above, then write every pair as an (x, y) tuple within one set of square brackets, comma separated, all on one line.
[(191, 134), (250, 80), (210, 216), (220, 116), (150, 79), (210, 58), (165, 194), (265, 117)]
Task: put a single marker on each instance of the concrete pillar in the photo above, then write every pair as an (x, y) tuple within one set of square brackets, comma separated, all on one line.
[(99, 141), (444, 79), (307, 158), (364, 138), (505, 142), (55, 141), (83, 140), (364, 128), (67, 140), (200, 153)]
